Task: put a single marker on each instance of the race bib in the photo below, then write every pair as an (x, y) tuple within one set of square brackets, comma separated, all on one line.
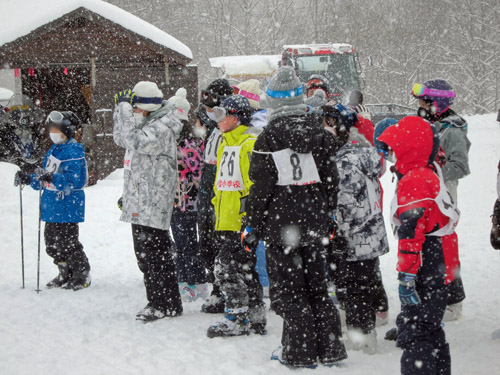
[(229, 177), (53, 164), (445, 203), (374, 196), (211, 147), (127, 160), (295, 168)]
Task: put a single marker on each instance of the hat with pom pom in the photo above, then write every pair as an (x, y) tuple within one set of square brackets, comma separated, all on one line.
[(181, 104)]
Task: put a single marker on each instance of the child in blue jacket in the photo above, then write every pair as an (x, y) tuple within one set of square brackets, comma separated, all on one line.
[(62, 205)]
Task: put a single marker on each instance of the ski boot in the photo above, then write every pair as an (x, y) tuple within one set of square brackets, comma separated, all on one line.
[(278, 356), (382, 318), (61, 279), (453, 312), (149, 314), (214, 304), (358, 340), (78, 281), (234, 323), (191, 293)]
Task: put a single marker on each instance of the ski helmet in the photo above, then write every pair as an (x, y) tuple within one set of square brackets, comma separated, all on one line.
[(316, 82), (201, 114), (439, 94), (379, 129), (237, 106), (67, 122), (216, 92), (343, 117)]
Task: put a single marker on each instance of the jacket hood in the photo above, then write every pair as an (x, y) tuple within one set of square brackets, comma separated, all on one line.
[(451, 118), (298, 132), (414, 141)]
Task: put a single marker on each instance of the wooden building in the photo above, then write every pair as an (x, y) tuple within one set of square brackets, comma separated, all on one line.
[(85, 53)]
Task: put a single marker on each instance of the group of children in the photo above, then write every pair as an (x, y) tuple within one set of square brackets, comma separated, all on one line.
[(307, 184)]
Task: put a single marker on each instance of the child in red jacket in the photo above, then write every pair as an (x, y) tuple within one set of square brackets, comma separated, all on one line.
[(424, 217)]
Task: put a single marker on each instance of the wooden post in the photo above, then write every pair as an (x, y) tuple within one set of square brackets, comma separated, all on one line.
[(167, 72)]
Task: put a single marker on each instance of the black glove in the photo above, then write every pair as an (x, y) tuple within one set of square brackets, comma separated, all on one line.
[(249, 239), (43, 176), (22, 178), (120, 203)]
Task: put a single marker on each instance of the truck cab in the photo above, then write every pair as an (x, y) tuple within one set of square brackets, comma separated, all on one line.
[(336, 62)]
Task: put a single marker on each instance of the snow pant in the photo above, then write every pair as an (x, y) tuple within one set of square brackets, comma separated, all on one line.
[(420, 334), (153, 249), (299, 294), (209, 245), (355, 293), (380, 301), (456, 292), (189, 266), (342, 274), (238, 280), (63, 245)]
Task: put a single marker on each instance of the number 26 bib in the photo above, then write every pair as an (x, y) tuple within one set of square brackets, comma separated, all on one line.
[(229, 177)]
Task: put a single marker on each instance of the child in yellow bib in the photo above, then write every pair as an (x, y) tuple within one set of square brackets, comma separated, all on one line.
[(234, 267)]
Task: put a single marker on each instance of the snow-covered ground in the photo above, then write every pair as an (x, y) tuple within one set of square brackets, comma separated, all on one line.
[(94, 331)]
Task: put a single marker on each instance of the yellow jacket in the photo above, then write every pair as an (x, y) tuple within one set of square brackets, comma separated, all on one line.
[(232, 184)]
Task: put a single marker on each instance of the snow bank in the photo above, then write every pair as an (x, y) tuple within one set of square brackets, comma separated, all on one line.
[(20, 17), (94, 331), (252, 65)]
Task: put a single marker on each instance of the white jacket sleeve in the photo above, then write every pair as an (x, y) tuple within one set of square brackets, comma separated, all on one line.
[(155, 137)]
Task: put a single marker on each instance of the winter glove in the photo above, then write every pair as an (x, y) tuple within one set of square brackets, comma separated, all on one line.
[(363, 111), (407, 293), (332, 230), (22, 178), (120, 203), (43, 176), (125, 96), (249, 239)]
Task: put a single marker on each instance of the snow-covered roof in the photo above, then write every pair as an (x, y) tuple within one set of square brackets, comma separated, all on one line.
[(5, 94), (20, 17), (253, 65), (334, 47)]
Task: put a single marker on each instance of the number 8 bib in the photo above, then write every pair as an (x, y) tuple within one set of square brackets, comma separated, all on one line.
[(295, 168)]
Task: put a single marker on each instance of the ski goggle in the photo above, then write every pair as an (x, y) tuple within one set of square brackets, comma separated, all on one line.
[(246, 94), (420, 90), (220, 113), (210, 99), (315, 83), (54, 117)]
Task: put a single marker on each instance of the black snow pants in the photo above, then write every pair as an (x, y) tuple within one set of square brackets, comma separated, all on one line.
[(189, 266), (456, 292), (356, 294), (63, 245), (420, 334), (298, 291), (153, 249), (238, 279)]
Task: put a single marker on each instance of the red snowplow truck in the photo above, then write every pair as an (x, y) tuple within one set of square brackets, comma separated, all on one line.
[(336, 62)]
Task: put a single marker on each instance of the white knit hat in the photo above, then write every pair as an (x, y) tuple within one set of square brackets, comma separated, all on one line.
[(149, 96), (180, 102), (251, 86)]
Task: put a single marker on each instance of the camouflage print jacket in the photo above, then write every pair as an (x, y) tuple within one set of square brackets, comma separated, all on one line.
[(150, 176), (359, 214)]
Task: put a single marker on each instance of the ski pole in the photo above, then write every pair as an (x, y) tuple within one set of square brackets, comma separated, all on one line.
[(39, 239), (22, 229)]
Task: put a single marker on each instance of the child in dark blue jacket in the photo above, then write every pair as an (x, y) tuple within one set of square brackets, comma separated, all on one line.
[(62, 205)]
